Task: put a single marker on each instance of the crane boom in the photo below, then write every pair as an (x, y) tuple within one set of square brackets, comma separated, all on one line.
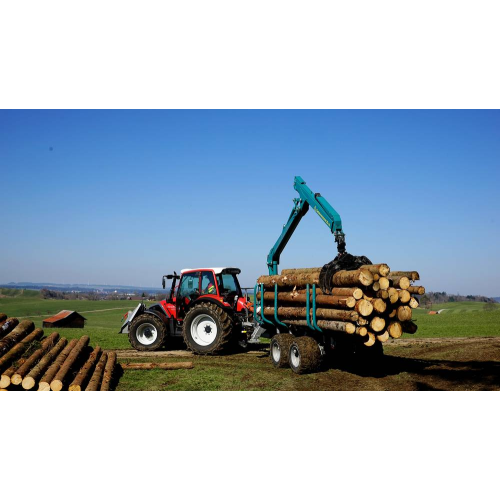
[(300, 207)]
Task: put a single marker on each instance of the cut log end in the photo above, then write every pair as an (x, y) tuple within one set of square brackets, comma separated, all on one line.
[(371, 339), (28, 383), (44, 386), (4, 381), (377, 324), (16, 379), (56, 385), (384, 337)]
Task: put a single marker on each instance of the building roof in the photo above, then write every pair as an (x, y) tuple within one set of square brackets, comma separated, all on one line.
[(61, 315)]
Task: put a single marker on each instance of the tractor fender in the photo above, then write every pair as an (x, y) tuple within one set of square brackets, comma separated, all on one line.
[(159, 315), (228, 309)]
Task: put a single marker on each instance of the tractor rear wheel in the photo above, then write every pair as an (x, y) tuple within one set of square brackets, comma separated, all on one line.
[(207, 329), (305, 355), (147, 333), (280, 349)]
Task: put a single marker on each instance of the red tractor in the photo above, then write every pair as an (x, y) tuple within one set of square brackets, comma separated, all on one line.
[(207, 309)]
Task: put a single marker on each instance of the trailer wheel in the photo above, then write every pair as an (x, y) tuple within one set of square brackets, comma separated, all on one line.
[(147, 333), (304, 355), (207, 329), (280, 349)]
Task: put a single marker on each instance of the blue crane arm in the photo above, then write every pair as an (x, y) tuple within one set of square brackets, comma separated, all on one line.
[(300, 207)]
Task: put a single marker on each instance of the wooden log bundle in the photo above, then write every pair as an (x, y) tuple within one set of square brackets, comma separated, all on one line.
[(35, 363), (372, 301)]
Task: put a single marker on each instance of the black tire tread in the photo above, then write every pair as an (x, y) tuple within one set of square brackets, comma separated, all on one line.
[(284, 341), (160, 326), (310, 355)]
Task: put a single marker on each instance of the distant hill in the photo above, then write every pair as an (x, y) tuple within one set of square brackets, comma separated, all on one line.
[(79, 287), (496, 299)]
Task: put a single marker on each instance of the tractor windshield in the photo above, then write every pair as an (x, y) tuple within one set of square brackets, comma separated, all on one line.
[(228, 283)]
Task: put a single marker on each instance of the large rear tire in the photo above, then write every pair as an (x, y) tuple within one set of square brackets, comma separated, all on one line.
[(147, 333), (280, 349), (207, 329), (305, 355)]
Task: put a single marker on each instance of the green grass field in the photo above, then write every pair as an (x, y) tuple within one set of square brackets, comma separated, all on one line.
[(237, 372)]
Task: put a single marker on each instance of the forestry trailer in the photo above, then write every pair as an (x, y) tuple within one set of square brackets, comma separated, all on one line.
[(207, 308)]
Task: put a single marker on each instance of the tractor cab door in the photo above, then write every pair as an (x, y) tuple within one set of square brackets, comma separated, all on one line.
[(189, 290)]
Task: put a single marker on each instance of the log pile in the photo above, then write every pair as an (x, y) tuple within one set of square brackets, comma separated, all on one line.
[(30, 361), (371, 301)]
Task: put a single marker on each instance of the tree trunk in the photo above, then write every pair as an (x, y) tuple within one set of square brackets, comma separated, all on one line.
[(400, 282), (404, 296), (85, 371), (409, 327), (7, 326), (44, 384), (301, 312), (158, 366), (353, 278), (289, 279), (323, 300), (355, 292), (395, 330), (19, 348), (20, 331), (364, 307), (380, 269), (22, 371), (57, 383), (108, 371), (411, 275), (383, 337), (5, 379), (377, 324), (404, 313), (304, 270), (95, 381), (393, 295), (416, 290), (384, 283), (30, 380), (379, 306), (371, 339), (335, 326)]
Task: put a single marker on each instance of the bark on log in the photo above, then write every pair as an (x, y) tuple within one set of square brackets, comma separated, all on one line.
[(413, 303), (371, 339), (23, 370), (364, 307), (400, 282), (411, 275), (353, 278), (355, 292), (7, 326), (395, 329), (5, 379), (380, 269), (384, 283), (302, 270), (416, 290), (377, 324), (323, 300), (335, 326), (95, 381), (19, 348), (302, 291), (58, 381), (393, 295), (301, 312), (108, 371), (20, 331), (44, 384), (185, 365), (30, 380), (404, 313), (289, 279), (362, 330), (404, 296), (85, 371), (383, 337), (409, 327)]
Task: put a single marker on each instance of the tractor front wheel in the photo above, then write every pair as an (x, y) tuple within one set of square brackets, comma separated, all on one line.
[(207, 329), (147, 333)]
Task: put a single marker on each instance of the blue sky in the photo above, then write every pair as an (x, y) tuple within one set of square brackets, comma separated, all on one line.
[(123, 197)]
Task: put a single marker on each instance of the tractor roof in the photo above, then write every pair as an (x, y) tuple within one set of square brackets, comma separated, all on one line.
[(216, 270)]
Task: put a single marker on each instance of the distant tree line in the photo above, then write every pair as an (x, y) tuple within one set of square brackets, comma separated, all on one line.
[(56, 294), (441, 297)]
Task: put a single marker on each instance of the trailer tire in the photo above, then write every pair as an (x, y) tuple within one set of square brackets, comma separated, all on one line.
[(279, 349), (147, 333), (204, 322), (304, 355)]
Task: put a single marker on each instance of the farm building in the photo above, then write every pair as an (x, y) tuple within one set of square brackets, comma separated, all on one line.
[(65, 319)]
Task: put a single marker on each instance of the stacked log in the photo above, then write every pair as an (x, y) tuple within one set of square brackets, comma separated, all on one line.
[(32, 362), (372, 301)]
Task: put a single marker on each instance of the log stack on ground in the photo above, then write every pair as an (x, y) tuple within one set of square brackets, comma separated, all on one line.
[(372, 301), (32, 362)]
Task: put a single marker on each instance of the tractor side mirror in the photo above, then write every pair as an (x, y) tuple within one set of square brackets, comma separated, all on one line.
[(163, 282)]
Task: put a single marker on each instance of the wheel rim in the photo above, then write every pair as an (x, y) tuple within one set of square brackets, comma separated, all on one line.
[(146, 334), (276, 352), (294, 357), (203, 330)]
